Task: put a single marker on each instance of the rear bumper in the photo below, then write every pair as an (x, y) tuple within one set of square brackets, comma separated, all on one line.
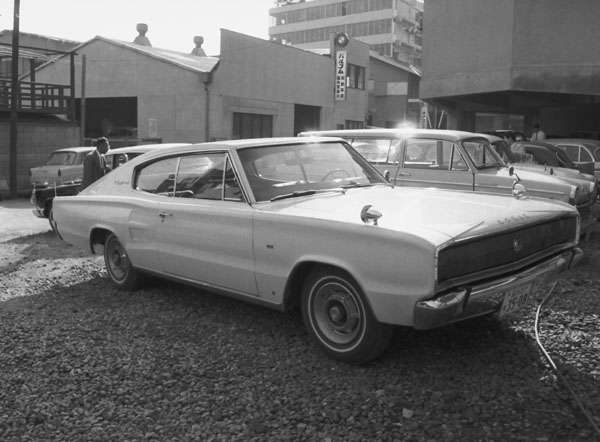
[(477, 300)]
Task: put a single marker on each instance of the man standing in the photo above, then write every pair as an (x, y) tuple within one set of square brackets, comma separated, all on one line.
[(537, 134), (94, 164)]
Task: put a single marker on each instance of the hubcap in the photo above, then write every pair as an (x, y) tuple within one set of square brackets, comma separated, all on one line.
[(337, 313), (118, 261)]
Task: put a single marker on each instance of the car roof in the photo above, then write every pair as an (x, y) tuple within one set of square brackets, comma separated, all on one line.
[(142, 148), (442, 134), (491, 138), (236, 144), (74, 149), (573, 140)]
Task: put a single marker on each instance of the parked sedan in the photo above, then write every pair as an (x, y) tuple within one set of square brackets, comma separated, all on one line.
[(42, 197), (62, 166), (549, 154), (309, 223), (459, 160), (580, 151)]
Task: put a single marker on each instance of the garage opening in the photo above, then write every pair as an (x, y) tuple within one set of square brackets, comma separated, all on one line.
[(114, 118), (306, 118)]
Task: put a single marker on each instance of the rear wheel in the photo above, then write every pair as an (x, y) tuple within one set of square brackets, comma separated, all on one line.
[(339, 319), (118, 265)]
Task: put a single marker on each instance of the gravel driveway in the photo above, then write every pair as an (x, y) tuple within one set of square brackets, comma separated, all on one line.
[(80, 361)]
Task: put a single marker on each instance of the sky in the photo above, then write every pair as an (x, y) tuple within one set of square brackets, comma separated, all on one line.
[(172, 24)]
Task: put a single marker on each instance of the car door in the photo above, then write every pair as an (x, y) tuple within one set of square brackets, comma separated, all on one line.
[(433, 163), (205, 231)]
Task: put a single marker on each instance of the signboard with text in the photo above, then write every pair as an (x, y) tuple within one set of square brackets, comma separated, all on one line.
[(340, 75)]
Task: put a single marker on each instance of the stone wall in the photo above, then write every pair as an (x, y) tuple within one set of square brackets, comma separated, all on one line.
[(35, 141)]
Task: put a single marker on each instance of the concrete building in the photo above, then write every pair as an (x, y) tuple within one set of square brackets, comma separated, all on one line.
[(389, 27), (495, 64), (393, 93), (255, 88)]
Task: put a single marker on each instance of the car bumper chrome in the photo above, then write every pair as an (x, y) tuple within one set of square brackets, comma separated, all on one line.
[(477, 300)]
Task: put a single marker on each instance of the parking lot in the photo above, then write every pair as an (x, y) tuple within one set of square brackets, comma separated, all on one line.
[(82, 361)]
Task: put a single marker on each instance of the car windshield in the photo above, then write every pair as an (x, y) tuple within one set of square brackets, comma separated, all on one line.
[(482, 153), (61, 159), (282, 171)]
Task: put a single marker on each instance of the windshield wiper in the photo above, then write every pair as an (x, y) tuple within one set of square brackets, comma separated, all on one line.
[(298, 193), (354, 184)]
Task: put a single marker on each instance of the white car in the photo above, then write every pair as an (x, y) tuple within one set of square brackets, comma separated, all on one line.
[(62, 166), (452, 159), (308, 223)]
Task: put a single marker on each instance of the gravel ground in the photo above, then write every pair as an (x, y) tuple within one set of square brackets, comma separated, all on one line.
[(80, 361)]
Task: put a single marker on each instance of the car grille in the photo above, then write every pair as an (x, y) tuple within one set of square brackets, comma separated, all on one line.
[(480, 254), (585, 209)]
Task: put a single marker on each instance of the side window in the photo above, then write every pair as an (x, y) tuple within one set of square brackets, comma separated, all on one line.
[(158, 177), (205, 176), (432, 154), (584, 155), (375, 151), (457, 161), (571, 151)]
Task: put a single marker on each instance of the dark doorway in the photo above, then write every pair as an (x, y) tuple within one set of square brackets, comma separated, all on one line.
[(306, 118), (109, 117)]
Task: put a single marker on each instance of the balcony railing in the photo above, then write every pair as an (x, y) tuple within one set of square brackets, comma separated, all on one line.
[(42, 98)]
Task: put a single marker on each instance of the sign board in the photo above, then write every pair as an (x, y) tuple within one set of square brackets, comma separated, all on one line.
[(340, 75)]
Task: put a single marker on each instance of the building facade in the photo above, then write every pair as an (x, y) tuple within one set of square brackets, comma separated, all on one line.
[(255, 88), (389, 27), (500, 64)]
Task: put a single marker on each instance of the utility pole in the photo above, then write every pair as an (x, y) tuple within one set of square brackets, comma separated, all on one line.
[(14, 96)]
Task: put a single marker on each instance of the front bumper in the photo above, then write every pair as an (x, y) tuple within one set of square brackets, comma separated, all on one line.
[(482, 299)]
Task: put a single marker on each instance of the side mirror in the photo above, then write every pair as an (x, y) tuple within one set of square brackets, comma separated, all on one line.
[(386, 175)]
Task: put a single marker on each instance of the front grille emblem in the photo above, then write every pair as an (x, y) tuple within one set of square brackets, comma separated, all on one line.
[(517, 245)]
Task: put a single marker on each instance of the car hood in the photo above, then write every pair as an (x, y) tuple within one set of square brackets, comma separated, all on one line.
[(560, 172), (436, 215)]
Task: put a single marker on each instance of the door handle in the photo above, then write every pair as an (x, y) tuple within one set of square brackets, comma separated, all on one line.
[(404, 174), (163, 215)]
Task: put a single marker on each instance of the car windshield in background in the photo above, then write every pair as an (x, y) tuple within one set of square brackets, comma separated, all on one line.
[(61, 159), (482, 154), (276, 172)]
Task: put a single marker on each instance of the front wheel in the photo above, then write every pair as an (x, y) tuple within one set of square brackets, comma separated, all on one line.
[(118, 265), (338, 318)]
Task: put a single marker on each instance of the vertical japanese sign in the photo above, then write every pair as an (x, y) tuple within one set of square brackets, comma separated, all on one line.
[(340, 75)]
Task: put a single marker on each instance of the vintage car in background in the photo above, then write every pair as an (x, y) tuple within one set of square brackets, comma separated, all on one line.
[(547, 153), (529, 162), (42, 196), (459, 160), (308, 223), (580, 151), (62, 166)]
